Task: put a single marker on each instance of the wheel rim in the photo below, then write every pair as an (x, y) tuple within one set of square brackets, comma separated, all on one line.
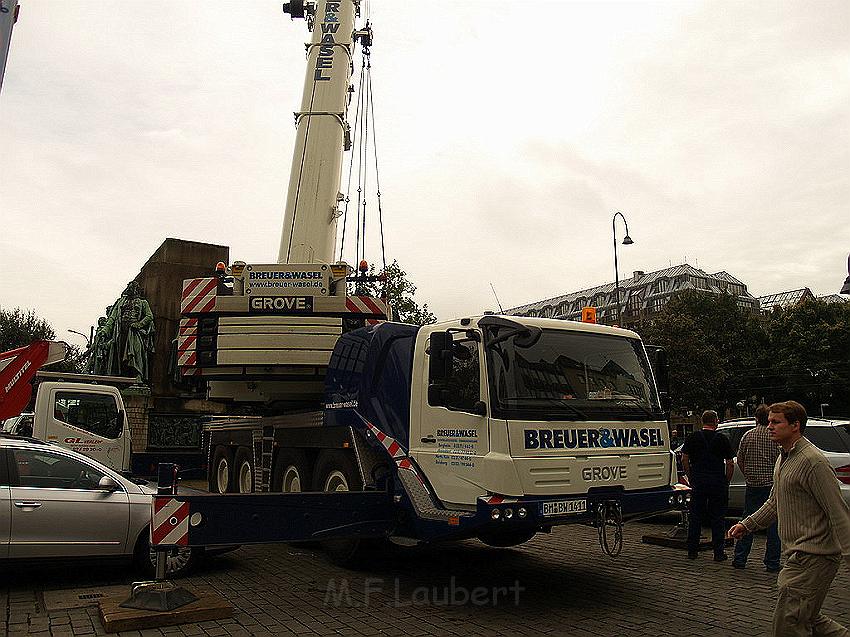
[(176, 559), (222, 475), (336, 481), (291, 480), (245, 482)]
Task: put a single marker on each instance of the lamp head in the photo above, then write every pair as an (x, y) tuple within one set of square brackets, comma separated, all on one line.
[(627, 240)]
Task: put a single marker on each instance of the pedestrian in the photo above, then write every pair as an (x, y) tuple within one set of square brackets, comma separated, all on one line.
[(707, 460), (814, 525), (757, 454)]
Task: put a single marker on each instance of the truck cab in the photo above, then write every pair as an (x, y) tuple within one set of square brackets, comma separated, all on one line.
[(84, 417), (557, 416)]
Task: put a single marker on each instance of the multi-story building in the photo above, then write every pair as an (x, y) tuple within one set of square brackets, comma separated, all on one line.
[(641, 296)]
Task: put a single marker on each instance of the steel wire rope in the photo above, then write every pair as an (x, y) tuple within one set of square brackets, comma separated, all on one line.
[(369, 96), (359, 190), (365, 156), (351, 162)]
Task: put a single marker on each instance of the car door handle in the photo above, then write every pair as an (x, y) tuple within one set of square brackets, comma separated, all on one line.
[(430, 439), (28, 505)]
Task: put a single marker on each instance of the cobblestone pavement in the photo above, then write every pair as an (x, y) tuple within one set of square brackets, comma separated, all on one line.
[(558, 584)]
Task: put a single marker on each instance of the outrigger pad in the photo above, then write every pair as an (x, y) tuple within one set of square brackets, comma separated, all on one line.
[(158, 596)]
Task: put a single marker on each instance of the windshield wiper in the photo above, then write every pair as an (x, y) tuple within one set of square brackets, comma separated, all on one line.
[(559, 401)]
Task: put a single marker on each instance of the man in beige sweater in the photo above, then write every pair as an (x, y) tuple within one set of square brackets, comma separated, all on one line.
[(814, 525)]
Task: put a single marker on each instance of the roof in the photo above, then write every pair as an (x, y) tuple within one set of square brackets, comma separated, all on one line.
[(783, 299), (834, 298), (643, 280)]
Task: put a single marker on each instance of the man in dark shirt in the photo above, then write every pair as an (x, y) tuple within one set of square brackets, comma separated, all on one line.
[(707, 459)]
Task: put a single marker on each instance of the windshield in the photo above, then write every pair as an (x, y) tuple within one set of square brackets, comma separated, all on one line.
[(571, 375)]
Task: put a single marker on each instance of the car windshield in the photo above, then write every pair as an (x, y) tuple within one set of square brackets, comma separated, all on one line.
[(571, 375)]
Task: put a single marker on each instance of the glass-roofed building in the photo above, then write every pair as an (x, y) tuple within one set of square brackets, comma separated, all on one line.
[(641, 296)]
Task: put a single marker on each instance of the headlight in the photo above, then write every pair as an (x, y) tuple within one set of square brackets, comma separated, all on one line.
[(495, 514)]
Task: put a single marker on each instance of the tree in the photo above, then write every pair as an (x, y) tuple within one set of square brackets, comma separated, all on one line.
[(810, 355), (399, 292), (21, 327), (712, 344)]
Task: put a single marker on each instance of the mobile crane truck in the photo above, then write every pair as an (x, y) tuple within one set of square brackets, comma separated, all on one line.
[(490, 426)]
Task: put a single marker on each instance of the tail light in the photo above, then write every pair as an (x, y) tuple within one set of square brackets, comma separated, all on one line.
[(843, 474)]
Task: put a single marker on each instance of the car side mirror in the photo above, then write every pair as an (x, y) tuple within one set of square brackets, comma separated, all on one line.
[(107, 483)]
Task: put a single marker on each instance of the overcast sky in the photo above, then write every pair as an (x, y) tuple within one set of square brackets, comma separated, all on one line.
[(508, 135)]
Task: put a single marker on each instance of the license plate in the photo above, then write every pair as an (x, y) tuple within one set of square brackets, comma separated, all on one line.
[(564, 507)]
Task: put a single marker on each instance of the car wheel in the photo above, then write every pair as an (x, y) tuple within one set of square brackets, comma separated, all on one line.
[(221, 474), (178, 560), (244, 478)]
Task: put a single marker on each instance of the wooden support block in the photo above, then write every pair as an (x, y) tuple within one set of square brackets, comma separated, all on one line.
[(115, 618)]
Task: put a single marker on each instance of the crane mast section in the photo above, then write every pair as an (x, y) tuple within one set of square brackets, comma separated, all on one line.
[(309, 222)]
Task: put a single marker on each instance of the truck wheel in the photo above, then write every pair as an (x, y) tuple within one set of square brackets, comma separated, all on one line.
[(504, 539), (221, 472), (244, 478), (291, 472), (336, 471)]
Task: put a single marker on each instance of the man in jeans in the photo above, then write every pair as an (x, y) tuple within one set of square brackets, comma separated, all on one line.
[(707, 459), (757, 455), (814, 524)]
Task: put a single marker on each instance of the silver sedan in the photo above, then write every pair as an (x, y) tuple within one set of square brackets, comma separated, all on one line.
[(56, 503)]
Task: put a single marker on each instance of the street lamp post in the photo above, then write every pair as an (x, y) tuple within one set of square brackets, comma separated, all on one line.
[(627, 241), (88, 340)]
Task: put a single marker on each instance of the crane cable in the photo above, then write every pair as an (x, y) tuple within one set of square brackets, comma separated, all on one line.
[(364, 119)]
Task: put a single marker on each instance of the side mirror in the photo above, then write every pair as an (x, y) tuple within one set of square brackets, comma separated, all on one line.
[(107, 484), (440, 361), (480, 408)]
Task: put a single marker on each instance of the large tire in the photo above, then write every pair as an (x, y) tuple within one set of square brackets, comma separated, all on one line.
[(291, 472), (178, 561), (336, 471), (243, 479), (221, 471), (504, 539)]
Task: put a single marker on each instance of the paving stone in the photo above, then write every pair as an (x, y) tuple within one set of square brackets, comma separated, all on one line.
[(554, 585)]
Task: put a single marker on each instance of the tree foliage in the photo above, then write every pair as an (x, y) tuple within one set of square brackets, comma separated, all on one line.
[(19, 328), (399, 291), (721, 354)]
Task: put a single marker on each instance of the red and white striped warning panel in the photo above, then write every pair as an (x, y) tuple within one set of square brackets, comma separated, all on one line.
[(188, 327), (366, 305), (169, 522), (186, 350), (390, 444), (498, 499), (198, 295)]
